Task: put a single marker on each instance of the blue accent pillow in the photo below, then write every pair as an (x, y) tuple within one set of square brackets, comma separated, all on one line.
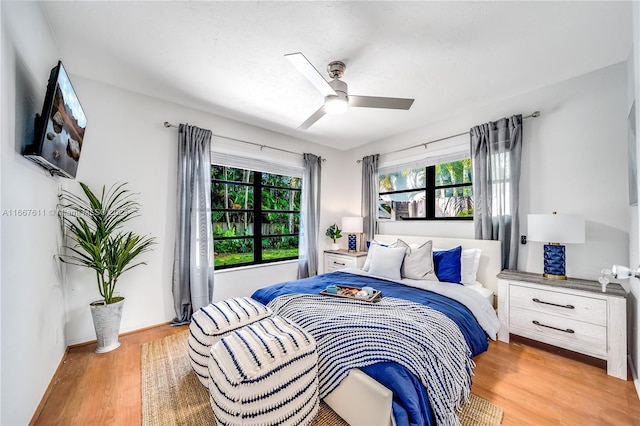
[(375, 242), (447, 264)]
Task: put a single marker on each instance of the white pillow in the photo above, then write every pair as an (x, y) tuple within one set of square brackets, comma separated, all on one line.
[(367, 262), (418, 261), (469, 261), (386, 261), (373, 244), (488, 294)]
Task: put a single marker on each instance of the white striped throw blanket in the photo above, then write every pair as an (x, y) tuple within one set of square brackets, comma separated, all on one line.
[(352, 333)]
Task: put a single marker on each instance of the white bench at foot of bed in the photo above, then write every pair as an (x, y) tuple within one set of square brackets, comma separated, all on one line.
[(361, 401)]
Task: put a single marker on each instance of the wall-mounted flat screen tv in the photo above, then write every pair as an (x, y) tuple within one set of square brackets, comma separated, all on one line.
[(59, 130)]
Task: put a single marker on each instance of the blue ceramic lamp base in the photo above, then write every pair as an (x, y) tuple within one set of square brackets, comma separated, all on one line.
[(352, 242), (554, 262)]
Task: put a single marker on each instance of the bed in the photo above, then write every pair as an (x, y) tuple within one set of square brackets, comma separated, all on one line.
[(394, 381)]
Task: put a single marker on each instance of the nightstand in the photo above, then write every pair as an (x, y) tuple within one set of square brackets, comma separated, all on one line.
[(339, 259), (573, 314)]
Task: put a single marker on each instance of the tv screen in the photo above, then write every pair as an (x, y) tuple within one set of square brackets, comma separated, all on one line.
[(59, 131)]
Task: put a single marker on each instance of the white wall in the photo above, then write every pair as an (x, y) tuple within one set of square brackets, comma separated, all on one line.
[(574, 161), (33, 313), (634, 259), (3, 39)]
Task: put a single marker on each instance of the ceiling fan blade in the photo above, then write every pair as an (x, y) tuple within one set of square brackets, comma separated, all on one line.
[(378, 102), (313, 75), (314, 117)]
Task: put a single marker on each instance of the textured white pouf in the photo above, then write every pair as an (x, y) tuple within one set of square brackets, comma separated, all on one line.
[(211, 323), (265, 374)]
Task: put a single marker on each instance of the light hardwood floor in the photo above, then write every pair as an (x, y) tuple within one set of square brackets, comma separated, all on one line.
[(533, 386)]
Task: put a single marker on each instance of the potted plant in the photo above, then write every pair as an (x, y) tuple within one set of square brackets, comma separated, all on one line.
[(334, 233), (94, 224)]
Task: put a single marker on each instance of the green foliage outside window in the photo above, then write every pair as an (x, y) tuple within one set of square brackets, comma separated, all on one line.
[(435, 192), (255, 216)]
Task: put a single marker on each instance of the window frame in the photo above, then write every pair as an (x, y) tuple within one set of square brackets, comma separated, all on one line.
[(430, 189), (258, 213)]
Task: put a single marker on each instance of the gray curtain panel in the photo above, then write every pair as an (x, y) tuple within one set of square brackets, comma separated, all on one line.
[(309, 217), (370, 196), (193, 254), (496, 149)]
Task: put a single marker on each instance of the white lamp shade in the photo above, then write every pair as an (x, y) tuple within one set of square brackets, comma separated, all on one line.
[(556, 228), (352, 224)]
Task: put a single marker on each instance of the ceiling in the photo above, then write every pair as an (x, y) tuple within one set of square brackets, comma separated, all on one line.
[(227, 57)]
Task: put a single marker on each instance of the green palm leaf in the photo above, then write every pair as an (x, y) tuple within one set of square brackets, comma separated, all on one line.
[(94, 225)]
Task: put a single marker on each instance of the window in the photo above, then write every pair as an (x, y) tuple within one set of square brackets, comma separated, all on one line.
[(255, 216), (440, 191)]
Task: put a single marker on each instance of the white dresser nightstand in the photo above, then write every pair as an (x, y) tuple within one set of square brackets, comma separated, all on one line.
[(339, 259), (572, 314)]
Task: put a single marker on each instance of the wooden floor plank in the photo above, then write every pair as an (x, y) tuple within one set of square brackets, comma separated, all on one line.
[(100, 389), (538, 387), (534, 386)]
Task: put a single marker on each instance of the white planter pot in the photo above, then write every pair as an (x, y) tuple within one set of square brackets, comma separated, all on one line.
[(106, 321), (335, 246)]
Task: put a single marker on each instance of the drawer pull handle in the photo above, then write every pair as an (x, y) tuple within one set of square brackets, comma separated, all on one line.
[(338, 263), (568, 330), (553, 304)]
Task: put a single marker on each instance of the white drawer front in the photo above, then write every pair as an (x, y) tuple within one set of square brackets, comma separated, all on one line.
[(571, 306), (334, 262), (559, 331)]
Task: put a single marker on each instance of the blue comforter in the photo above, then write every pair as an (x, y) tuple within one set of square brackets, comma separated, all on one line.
[(410, 400)]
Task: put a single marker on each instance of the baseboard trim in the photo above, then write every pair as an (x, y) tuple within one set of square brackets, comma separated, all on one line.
[(90, 342), (634, 375), (49, 389)]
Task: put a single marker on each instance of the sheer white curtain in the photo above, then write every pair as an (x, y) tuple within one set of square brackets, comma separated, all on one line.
[(496, 149), (193, 253), (309, 217)]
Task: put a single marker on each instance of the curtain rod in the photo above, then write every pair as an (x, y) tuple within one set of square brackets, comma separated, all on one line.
[(262, 146), (532, 115)]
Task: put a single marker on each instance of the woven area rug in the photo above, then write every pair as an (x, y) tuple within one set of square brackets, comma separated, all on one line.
[(173, 395)]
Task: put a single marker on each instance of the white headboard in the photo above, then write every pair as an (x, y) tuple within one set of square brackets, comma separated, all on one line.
[(490, 259)]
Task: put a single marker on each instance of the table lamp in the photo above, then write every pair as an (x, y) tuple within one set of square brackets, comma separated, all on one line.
[(353, 225), (556, 230)]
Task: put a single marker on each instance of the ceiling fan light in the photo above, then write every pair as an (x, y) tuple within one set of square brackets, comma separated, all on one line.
[(335, 105)]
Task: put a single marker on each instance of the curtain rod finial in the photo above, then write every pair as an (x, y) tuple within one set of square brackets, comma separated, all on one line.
[(536, 114)]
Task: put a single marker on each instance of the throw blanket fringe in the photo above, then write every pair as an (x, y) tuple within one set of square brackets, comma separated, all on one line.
[(352, 333)]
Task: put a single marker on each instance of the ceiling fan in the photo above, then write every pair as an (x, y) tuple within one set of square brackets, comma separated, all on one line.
[(336, 97)]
